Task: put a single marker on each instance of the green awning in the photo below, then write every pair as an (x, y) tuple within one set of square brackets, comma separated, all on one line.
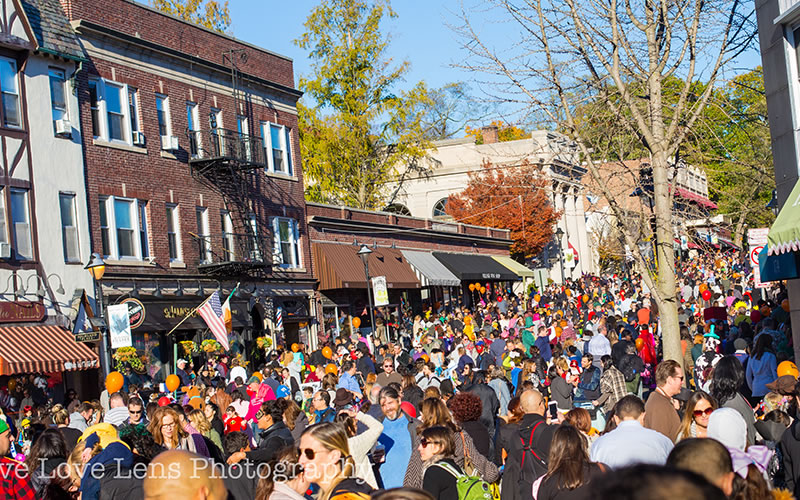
[(514, 266), (784, 235)]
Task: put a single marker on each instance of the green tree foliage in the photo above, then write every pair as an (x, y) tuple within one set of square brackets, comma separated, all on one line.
[(211, 14), (733, 144), (361, 130)]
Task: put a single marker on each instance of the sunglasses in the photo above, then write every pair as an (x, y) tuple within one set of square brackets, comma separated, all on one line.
[(424, 442), (132, 412), (706, 412), (260, 414), (308, 452)]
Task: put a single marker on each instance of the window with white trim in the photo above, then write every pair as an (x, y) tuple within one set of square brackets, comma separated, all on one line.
[(9, 87), (216, 126), (227, 236), (174, 233), (255, 250), (21, 222), (193, 124), (287, 242), (3, 228), (69, 227), (162, 112), (58, 95), (277, 147), (123, 228), (203, 234), (115, 110)]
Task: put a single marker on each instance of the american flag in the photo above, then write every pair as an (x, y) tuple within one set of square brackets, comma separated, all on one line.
[(211, 312)]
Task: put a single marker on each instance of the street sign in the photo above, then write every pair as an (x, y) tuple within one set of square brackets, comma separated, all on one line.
[(93, 336), (757, 239)]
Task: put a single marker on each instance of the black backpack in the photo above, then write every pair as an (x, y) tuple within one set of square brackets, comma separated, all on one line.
[(532, 466), (631, 365)]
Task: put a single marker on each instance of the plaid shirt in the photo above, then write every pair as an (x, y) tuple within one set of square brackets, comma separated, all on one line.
[(15, 482), (612, 388)]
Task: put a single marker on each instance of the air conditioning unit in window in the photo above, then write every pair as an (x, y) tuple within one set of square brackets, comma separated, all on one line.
[(5, 251), (63, 128), (169, 142), (138, 139)]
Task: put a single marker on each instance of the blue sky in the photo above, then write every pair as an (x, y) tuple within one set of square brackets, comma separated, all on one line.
[(420, 35)]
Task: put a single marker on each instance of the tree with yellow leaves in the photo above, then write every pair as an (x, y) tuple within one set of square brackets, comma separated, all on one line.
[(211, 14)]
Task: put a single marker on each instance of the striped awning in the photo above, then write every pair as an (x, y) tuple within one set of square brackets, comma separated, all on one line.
[(44, 349)]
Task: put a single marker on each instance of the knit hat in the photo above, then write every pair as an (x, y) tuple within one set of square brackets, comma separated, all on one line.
[(727, 426), (253, 380)]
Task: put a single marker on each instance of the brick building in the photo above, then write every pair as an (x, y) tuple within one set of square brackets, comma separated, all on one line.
[(425, 262), (193, 176)]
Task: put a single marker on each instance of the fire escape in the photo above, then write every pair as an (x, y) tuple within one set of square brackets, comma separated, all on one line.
[(229, 162)]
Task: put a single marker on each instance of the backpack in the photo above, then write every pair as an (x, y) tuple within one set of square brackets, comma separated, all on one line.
[(469, 487), (631, 365), (532, 466)]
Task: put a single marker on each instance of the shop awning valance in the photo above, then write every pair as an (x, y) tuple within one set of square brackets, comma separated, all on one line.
[(430, 271), (514, 266), (42, 348), (474, 267), (777, 267), (784, 235), (339, 266)]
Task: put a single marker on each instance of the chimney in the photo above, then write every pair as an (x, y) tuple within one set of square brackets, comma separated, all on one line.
[(489, 134)]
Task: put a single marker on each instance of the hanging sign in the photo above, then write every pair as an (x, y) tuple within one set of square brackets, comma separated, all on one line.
[(119, 326), (379, 291)]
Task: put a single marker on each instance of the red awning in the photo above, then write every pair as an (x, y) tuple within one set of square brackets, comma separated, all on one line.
[(42, 348), (699, 199)]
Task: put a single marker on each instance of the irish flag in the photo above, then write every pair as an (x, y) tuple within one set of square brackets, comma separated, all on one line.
[(226, 311)]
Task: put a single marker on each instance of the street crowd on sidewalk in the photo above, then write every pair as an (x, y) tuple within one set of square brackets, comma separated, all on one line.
[(563, 394)]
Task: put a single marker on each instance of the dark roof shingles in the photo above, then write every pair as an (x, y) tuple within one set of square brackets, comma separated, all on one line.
[(52, 28)]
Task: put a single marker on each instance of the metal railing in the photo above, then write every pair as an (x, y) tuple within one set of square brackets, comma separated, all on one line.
[(226, 144), (232, 247)]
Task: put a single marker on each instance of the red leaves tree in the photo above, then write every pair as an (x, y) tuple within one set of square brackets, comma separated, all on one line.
[(508, 197)]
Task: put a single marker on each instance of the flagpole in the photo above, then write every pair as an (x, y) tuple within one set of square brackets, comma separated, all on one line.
[(188, 315)]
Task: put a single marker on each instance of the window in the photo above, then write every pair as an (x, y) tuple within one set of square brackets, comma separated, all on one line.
[(162, 111), (115, 109), (3, 229), (216, 132), (244, 136), (69, 227), (193, 121), (173, 233), (105, 235), (10, 92), (133, 109), (123, 228), (440, 208), (287, 242), (21, 223), (143, 229), (203, 234), (95, 106), (58, 95), (254, 250), (227, 236), (277, 142)]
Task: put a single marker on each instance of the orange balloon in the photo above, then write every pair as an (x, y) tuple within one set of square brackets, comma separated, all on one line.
[(483, 289), (114, 382), (331, 368), (295, 347), (477, 286), (703, 287), (785, 305), (585, 298), (568, 292), (173, 382), (425, 357), (327, 352), (468, 320), (563, 323), (558, 331), (472, 287), (537, 297), (356, 322), (788, 368), (639, 344)]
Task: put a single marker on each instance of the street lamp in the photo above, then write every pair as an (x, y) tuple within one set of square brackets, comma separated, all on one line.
[(364, 253), (97, 268), (773, 203), (559, 236)]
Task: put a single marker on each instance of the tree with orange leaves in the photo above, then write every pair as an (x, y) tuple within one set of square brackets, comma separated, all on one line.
[(508, 197)]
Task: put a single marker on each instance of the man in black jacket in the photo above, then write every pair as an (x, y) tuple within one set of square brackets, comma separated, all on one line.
[(528, 446), (790, 447)]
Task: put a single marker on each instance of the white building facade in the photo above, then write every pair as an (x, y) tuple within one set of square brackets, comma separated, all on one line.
[(453, 160)]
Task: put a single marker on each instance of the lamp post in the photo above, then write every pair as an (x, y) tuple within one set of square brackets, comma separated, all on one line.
[(364, 253), (559, 236), (97, 268)]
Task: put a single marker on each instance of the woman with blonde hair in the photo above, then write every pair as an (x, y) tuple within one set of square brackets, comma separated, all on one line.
[(201, 423), (167, 431), (326, 460), (61, 421)]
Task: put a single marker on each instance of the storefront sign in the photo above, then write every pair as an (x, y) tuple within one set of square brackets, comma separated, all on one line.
[(756, 239), (136, 312), (379, 291), (19, 312), (88, 336), (490, 276), (119, 326), (163, 315)]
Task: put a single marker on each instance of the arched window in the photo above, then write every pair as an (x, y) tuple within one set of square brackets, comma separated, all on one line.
[(440, 209), (397, 208)]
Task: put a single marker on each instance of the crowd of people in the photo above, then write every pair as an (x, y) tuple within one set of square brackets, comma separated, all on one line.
[(562, 394)]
